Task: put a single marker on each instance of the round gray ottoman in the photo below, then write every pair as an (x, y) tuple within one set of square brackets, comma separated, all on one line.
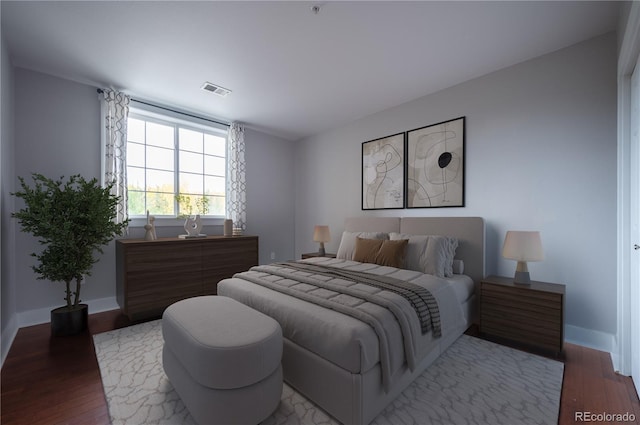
[(223, 359)]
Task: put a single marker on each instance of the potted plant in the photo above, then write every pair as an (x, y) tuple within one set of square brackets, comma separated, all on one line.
[(73, 220), (187, 205)]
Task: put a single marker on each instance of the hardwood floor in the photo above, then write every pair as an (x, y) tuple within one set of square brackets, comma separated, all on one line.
[(57, 380)]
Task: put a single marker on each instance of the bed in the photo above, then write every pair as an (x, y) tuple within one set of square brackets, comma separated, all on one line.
[(351, 363)]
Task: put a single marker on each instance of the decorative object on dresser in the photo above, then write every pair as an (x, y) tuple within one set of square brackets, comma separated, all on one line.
[(150, 276), (191, 209), (531, 315), (150, 228), (321, 234), (228, 227), (522, 247), (193, 226)]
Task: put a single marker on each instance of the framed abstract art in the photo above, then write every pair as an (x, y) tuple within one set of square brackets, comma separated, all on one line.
[(435, 165), (383, 173)]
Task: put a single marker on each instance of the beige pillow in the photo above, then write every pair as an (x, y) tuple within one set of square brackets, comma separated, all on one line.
[(366, 250), (381, 252), (348, 242), (392, 253)]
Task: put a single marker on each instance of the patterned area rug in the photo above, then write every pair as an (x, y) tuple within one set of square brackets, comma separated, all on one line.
[(473, 382)]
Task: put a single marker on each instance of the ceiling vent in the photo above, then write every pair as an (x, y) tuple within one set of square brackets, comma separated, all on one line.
[(220, 91)]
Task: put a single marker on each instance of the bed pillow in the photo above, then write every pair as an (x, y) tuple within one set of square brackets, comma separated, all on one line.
[(429, 254), (458, 267), (366, 250), (417, 245), (437, 256), (392, 253), (453, 246), (381, 252), (348, 242)]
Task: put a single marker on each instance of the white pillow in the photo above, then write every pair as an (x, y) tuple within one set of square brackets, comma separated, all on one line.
[(458, 267), (429, 253), (437, 256), (348, 242), (415, 256), (453, 245)]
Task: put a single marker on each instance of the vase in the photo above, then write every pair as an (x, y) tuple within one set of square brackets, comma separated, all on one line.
[(228, 227), (69, 322)]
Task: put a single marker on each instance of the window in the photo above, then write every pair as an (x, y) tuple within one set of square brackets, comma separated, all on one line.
[(174, 167)]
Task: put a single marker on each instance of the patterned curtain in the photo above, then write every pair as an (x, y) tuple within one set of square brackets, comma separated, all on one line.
[(236, 183), (115, 110)]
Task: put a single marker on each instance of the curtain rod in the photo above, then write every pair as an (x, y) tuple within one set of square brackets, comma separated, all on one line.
[(100, 91)]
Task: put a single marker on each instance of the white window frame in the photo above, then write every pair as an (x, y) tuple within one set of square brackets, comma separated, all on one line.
[(179, 120)]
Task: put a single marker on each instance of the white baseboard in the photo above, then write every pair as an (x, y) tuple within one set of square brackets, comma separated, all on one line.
[(597, 340), (573, 334), (43, 315), (8, 335)]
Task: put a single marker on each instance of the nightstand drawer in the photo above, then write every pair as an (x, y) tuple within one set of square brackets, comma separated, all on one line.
[(528, 314), (521, 294), (543, 317), (545, 339)]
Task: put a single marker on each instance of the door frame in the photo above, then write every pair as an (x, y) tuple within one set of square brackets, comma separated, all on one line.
[(627, 332)]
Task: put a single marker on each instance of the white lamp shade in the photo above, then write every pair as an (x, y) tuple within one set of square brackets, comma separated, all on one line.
[(523, 246), (321, 234)]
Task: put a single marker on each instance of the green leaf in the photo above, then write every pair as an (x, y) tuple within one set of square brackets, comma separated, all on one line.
[(72, 219)]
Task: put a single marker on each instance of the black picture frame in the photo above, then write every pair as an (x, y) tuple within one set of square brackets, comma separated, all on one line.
[(383, 177), (435, 168)]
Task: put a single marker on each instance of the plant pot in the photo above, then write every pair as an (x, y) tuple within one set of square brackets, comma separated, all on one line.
[(69, 322)]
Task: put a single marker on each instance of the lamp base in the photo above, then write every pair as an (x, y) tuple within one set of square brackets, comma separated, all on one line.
[(321, 251), (522, 274), (522, 278)]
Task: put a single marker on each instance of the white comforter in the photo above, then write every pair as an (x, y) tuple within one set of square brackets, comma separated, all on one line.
[(341, 339)]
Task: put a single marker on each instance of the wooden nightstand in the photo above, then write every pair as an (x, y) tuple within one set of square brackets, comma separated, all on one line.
[(531, 315), (315, 254)]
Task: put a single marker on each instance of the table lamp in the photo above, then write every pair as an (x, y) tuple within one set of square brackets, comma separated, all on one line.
[(321, 234), (522, 247)]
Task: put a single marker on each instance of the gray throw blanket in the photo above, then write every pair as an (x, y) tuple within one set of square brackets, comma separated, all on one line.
[(422, 301), (337, 289)]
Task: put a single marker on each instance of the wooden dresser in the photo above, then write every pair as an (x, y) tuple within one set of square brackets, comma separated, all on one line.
[(530, 315), (151, 275)]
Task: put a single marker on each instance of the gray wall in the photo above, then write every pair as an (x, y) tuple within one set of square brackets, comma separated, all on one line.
[(270, 202), (57, 124), (7, 231), (540, 155)]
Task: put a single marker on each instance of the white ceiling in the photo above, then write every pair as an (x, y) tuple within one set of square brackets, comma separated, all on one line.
[(293, 73)]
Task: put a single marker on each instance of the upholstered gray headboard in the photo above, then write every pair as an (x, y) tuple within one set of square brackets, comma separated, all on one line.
[(470, 232)]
